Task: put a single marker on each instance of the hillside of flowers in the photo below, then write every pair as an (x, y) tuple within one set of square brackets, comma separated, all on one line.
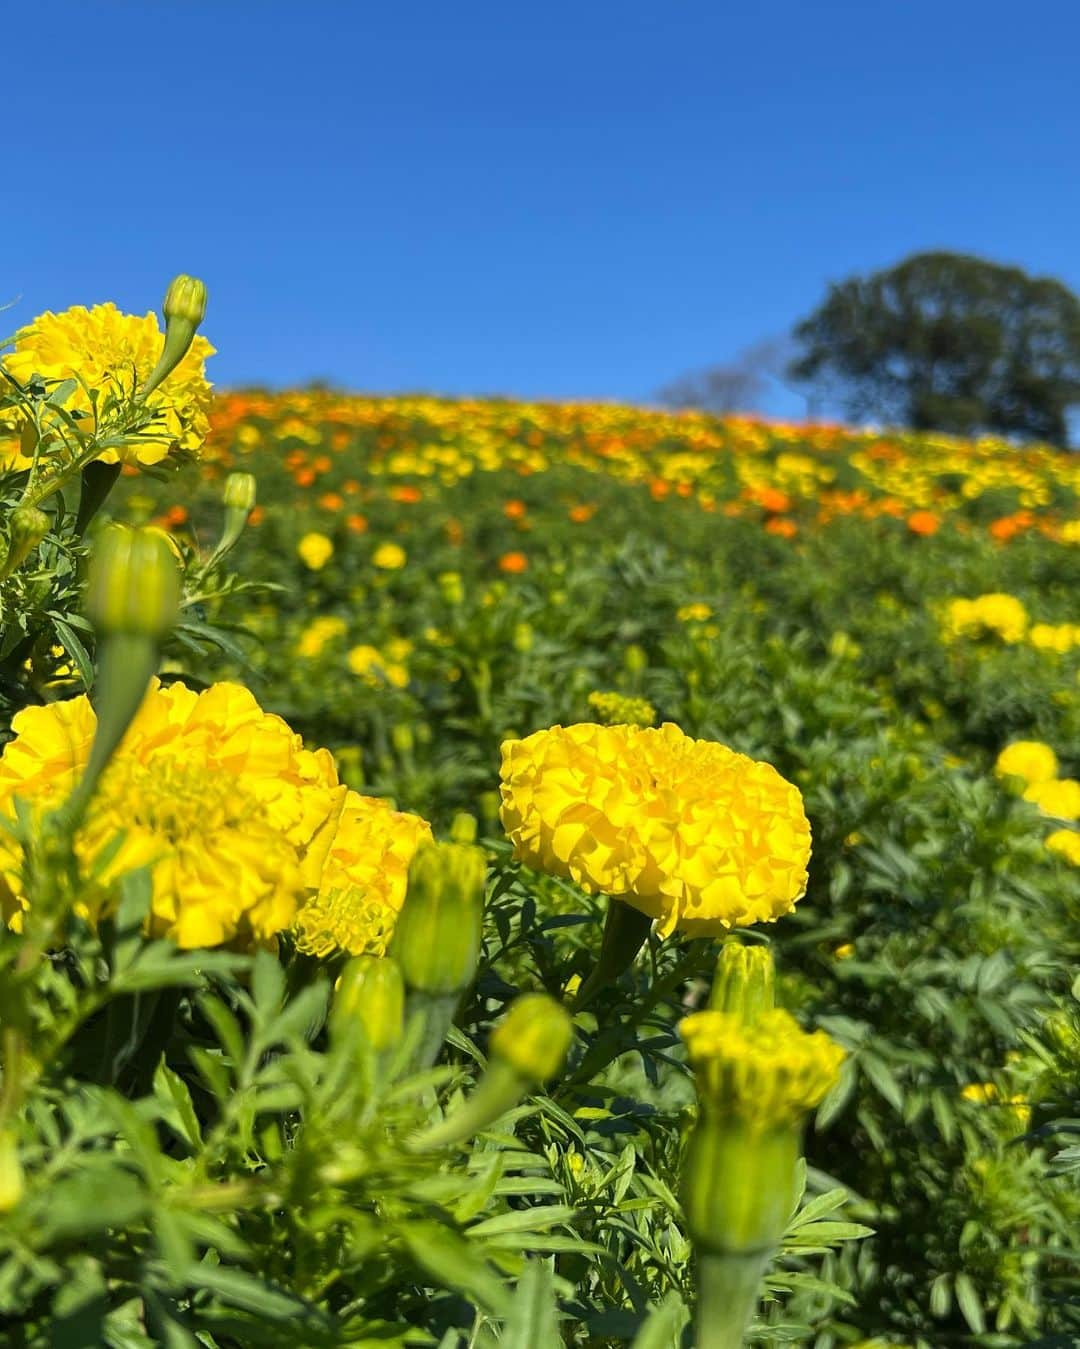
[(508, 875)]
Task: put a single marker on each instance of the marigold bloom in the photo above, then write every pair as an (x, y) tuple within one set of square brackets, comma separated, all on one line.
[(369, 663), (318, 633), (514, 509), (687, 831), (513, 563), (243, 829), (113, 353), (923, 522), (768, 1072), (1060, 799), (1065, 843), (315, 551), (389, 557), (1003, 615), (693, 613), (1028, 759), (621, 709)]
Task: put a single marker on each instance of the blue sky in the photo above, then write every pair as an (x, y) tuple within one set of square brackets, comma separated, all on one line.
[(562, 199)]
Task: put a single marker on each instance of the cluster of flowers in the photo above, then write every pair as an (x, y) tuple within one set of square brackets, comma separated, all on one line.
[(1005, 617), (1034, 767)]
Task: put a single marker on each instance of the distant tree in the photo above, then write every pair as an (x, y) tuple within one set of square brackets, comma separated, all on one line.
[(947, 342), (738, 385)]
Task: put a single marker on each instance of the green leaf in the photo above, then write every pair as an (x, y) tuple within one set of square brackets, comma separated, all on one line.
[(178, 1111), (663, 1329), (452, 1263), (967, 1299), (533, 1318)]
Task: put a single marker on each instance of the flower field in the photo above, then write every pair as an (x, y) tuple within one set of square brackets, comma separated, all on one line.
[(528, 874)]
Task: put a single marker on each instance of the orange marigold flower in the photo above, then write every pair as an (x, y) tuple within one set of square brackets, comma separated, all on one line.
[(513, 563), (330, 501), (357, 523), (923, 522), (581, 515), (514, 510), (304, 477), (781, 525), (407, 493)]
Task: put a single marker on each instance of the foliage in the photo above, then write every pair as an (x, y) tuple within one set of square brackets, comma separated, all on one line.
[(949, 342)]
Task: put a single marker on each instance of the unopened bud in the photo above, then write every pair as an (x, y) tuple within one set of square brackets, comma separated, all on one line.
[(184, 309), (534, 1038), (437, 936), (185, 300), (635, 659), (370, 993), (239, 492), (133, 586), (745, 981), (27, 526), (463, 828)]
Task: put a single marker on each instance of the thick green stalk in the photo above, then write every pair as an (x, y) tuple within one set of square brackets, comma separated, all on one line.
[(499, 1090), (625, 932), (728, 1287)]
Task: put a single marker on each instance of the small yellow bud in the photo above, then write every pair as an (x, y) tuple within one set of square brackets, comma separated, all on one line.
[(133, 587), (463, 828), (401, 737), (635, 659), (371, 992), (27, 526), (12, 1183), (186, 300), (534, 1038), (437, 936)]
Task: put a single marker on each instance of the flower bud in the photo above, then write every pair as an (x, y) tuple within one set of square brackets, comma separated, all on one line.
[(185, 300), (370, 992), (756, 1082), (133, 587), (635, 658), (745, 981), (12, 1183), (437, 936), (239, 492), (534, 1037), (184, 309), (463, 828), (27, 526)]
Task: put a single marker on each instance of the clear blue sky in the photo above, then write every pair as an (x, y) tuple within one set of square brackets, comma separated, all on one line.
[(544, 199)]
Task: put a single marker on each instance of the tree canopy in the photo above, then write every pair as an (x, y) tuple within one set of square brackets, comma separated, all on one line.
[(948, 342)]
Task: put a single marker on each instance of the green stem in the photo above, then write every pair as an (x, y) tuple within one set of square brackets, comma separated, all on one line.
[(625, 932), (436, 1010), (499, 1090), (728, 1287)]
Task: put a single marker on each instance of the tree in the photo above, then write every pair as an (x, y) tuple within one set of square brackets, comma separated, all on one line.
[(741, 385), (947, 342)]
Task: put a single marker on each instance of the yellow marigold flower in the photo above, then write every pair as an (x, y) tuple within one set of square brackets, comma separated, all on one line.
[(1060, 799), (621, 709), (389, 557), (318, 633), (315, 551), (687, 831), (1065, 843), (1028, 759), (241, 826), (1002, 615), (1070, 531), (362, 887), (114, 352), (693, 613), (369, 664), (768, 1072), (1059, 637)]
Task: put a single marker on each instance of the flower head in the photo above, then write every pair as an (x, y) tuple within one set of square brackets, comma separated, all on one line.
[(389, 557), (622, 709), (112, 352), (768, 1072), (685, 830), (1030, 760), (315, 551), (1060, 798), (1065, 843), (244, 831)]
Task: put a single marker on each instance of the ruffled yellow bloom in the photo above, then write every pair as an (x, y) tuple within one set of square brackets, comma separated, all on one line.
[(1060, 799), (241, 826), (987, 1093), (1028, 759), (1059, 637), (693, 613), (1065, 843), (363, 880), (768, 1072), (315, 551), (687, 831), (113, 352)]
